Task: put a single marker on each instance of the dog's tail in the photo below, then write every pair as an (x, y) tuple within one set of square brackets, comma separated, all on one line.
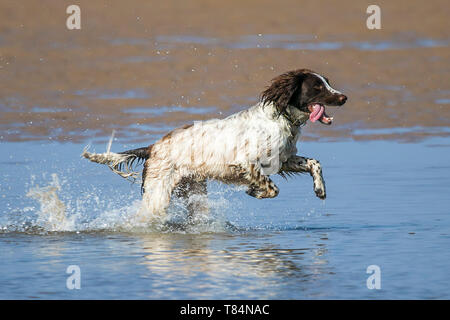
[(121, 163)]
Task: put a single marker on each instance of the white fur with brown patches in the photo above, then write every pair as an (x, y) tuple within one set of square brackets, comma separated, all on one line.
[(242, 149), (112, 160)]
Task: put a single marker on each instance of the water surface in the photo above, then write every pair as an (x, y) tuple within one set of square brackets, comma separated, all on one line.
[(386, 206)]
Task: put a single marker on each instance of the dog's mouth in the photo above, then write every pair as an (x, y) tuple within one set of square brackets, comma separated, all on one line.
[(317, 112)]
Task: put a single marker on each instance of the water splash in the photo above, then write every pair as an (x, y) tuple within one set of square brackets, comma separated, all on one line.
[(52, 212), (63, 207)]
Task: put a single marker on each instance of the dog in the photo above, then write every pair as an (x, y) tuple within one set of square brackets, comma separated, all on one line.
[(243, 149)]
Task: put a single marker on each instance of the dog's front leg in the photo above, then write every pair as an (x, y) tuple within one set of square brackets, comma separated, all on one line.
[(301, 164), (260, 185)]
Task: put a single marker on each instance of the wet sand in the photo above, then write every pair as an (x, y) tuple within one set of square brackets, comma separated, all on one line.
[(173, 58)]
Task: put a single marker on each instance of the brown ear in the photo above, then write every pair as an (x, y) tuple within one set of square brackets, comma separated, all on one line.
[(283, 89)]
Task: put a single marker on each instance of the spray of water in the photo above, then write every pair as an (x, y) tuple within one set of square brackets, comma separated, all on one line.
[(61, 207), (52, 211)]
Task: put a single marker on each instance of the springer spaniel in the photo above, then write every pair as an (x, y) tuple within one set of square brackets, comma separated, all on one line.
[(243, 149)]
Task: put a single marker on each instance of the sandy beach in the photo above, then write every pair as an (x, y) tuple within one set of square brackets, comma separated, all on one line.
[(165, 60)]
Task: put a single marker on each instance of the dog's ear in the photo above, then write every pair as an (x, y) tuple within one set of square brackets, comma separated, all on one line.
[(284, 90)]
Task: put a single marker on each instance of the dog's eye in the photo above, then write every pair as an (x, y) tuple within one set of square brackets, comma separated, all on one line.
[(318, 87)]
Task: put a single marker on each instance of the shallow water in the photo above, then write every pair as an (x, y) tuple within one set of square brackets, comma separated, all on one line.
[(290, 42), (386, 206)]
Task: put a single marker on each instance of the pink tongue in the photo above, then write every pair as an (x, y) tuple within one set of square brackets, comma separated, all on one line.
[(317, 112)]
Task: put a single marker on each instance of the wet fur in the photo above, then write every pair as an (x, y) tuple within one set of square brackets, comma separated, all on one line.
[(182, 161)]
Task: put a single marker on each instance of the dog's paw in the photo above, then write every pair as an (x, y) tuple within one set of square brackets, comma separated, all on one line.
[(254, 193), (320, 192), (270, 192)]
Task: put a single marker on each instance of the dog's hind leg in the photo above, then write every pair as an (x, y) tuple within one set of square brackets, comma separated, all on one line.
[(194, 195), (300, 164), (158, 186), (260, 185)]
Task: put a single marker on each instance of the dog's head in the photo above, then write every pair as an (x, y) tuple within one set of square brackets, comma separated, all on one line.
[(306, 91)]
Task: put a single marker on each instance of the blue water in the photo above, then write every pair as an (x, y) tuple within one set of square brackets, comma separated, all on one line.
[(158, 111), (127, 94), (401, 130), (284, 41), (387, 205), (442, 101)]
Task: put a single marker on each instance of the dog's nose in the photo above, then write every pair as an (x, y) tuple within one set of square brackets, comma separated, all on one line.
[(342, 99)]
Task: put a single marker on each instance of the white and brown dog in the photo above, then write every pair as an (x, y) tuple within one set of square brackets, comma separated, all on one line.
[(244, 148)]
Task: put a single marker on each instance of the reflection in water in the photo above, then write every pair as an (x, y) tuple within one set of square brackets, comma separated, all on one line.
[(240, 269)]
